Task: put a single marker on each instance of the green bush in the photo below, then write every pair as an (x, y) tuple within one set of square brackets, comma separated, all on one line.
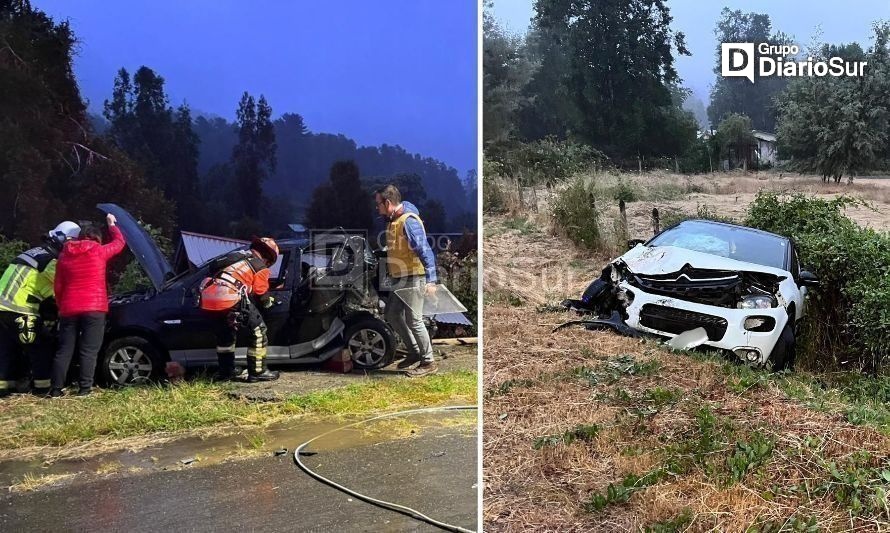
[(703, 212), (133, 276), (10, 249), (550, 160), (575, 214), (849, 312), (494, 200), (624, 191)]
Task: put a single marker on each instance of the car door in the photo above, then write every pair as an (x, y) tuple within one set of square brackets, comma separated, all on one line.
[(276, 316)]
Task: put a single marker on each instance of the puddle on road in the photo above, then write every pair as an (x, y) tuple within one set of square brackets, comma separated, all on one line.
[(190, 452)]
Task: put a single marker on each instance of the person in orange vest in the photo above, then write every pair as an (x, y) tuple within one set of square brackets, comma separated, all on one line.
[(231, 296), (412, 266)]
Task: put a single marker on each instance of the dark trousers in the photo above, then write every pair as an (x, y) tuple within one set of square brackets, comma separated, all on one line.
[(227, 331), (86, 332), (18, 360)]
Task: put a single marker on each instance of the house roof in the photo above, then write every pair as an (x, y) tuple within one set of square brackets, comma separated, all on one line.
[(454, 318), (764, 136), (200, 248)]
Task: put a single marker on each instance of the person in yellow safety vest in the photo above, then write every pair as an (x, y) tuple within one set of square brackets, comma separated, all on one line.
[(27, 311), (226, 297), (412, 266)]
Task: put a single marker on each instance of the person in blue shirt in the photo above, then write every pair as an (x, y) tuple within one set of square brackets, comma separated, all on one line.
[(411, 264)]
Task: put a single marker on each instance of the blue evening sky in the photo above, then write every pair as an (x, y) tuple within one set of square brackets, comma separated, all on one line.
[(840, 22), (386, 71)]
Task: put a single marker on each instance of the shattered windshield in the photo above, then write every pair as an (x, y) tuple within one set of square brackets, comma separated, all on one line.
[(732, 242)]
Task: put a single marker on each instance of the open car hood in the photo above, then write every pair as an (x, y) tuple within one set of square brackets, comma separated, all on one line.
[(657, 260), (142, 245)]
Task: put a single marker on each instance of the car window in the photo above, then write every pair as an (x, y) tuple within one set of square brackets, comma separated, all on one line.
[(732, 242), (279, 269)]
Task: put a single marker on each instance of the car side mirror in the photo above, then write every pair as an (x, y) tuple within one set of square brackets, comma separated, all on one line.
[(633, 242), (808, 279)]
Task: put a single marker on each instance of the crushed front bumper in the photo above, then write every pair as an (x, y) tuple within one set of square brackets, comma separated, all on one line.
[(726, 328)]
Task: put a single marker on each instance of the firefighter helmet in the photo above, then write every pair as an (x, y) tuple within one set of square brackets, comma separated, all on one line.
[(65, 231), (267, 248)]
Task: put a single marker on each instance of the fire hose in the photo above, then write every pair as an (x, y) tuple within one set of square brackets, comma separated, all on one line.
[(417, 515)]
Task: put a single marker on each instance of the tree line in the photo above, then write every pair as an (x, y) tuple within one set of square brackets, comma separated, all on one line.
[(172, 170), (596, 82)]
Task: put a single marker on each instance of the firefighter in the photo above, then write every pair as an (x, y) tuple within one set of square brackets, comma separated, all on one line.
[(231, 297), (27, 312)]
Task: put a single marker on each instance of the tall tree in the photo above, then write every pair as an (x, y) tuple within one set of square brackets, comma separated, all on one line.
[(342, 202), (739, 95), (506, 69), (254, 157), (144, 125), (613, 61), (736, 139), (840, 125)]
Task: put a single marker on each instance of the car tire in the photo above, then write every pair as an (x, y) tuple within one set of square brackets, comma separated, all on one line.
[(785, 350), (130, 361), (370, 342)]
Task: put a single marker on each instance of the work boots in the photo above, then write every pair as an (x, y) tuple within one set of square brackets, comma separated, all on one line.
[(259, 373), (226, 370)]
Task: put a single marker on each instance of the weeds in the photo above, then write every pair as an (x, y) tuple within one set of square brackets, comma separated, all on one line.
[(748, 456), (622, 491), (678, 523), (521, 224), (859, 488), (583, 433), (661, 397)]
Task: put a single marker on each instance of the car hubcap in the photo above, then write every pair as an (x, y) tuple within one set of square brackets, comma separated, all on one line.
[(367, 347), (129, 365)]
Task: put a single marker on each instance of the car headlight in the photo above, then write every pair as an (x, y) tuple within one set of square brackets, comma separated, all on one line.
[(756, 302)]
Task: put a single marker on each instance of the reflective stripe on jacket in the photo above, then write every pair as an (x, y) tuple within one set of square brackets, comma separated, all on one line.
[(224, 290)]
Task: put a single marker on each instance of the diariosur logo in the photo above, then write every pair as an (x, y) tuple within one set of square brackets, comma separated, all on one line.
[(738, 60)]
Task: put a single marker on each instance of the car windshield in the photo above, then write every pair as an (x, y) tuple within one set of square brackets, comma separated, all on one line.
[(733, 242)]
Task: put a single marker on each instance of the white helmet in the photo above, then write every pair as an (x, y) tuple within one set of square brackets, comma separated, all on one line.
[(65, 231)]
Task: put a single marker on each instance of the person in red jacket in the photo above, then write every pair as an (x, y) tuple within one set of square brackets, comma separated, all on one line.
[(82, 298)]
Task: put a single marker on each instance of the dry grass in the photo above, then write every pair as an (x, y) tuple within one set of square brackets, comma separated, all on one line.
[(31, 482), (728, 193), (537, 384)]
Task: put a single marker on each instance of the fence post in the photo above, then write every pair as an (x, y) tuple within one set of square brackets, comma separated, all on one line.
[(623, 211), (519, 188), (656, 223)]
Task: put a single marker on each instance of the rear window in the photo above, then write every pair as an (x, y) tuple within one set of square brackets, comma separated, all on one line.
[(732, 242)]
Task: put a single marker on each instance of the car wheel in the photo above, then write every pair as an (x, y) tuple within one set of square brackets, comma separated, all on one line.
[(370, 343), (784, 352), (130, 361)]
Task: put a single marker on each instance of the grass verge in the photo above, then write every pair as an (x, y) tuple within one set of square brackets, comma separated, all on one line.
[(118, 414)]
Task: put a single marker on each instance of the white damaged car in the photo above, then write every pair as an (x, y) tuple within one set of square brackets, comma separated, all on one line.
[(703, 283)]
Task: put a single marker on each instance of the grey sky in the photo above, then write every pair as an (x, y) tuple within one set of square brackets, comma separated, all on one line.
[(840, 22)]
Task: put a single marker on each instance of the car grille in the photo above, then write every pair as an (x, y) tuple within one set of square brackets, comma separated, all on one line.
[(711, 287), (676, 321)]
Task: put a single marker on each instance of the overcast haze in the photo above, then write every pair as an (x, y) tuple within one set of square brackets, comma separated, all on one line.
[(397, 72), (841, 22)]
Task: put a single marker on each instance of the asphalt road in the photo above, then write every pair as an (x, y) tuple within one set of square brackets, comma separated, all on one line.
[(434, 473)]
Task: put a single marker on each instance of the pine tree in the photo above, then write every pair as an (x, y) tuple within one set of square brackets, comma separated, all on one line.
[(254, 157)]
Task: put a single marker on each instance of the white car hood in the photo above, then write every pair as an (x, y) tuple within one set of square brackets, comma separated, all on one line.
[(666, 259)]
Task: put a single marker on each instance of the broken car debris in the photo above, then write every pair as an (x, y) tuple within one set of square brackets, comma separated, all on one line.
[(703, 283)]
